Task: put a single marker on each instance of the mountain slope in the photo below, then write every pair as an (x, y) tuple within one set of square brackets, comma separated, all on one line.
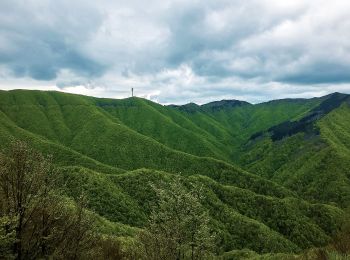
[(286, 194), (243, 219), (312, 158), (164, 125), (75, 122), (234, 124)]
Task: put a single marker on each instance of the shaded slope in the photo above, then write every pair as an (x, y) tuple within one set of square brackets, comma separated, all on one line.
[(315, 164), (306, 123)]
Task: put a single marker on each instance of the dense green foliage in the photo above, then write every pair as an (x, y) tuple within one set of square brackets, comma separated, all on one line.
[(178, 226), (262, 194), (37, 220), (306, 163)]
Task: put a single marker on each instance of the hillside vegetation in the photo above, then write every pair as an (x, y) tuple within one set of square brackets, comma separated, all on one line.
[(271, 178)]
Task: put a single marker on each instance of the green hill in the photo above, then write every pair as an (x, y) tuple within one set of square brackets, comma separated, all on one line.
[(312, 157), (274, 176), (234, 125), (243, 219)]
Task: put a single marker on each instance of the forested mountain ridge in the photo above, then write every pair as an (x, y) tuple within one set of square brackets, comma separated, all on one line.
[(273, 177), (309, 154)]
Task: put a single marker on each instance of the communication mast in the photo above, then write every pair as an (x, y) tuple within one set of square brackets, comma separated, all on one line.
[(132, 92)]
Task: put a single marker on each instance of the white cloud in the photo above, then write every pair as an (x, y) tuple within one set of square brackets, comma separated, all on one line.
[(177, 51)]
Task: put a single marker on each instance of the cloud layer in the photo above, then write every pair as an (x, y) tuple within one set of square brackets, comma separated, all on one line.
[(177, 51)]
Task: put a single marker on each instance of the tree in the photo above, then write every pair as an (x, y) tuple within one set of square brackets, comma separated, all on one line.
[(7, 237), (178, 226), (23, 184), (36, 221), (341, 241)]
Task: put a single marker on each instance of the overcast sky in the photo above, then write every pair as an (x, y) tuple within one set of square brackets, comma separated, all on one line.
[(177, 51)]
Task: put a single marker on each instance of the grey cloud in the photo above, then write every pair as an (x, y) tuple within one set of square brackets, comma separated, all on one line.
[(273, 42), (40, 41), (253, 49)]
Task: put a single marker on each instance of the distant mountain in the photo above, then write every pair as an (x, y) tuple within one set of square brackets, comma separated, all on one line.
[(274, 176), (212, 106), (306, 123)]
